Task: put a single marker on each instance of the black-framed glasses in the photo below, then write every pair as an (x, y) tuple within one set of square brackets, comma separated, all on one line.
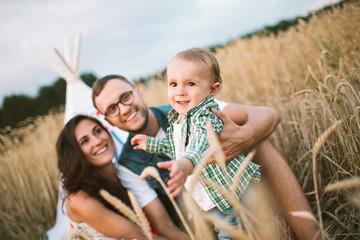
[(125, 99)]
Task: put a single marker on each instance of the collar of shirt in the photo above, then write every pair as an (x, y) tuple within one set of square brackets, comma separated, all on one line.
[(173, 115)]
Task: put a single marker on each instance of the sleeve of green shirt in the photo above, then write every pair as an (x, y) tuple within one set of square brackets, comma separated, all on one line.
[(198, 143), (157, 145)]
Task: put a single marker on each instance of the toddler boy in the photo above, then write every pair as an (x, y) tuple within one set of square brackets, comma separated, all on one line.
[(193, 79)]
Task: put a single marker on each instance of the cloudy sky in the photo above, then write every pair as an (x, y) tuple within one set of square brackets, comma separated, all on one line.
[(130, 37)]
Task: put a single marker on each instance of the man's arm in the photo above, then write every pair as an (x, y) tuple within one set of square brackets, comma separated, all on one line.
[(257, 124), (248, 126), (286, 190)]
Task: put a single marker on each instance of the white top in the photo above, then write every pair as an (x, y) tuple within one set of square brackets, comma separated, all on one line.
[(143, 193), (199, 194)]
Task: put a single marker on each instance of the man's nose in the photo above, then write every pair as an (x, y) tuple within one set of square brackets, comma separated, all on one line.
[(124, 109)]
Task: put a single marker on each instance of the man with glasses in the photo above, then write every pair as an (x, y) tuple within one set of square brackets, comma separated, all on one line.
[(123, 106)]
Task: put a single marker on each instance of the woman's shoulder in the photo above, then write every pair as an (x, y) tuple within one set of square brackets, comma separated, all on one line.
[(78, 202), (79, 196)]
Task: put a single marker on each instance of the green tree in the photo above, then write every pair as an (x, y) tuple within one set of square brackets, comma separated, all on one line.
[(16, 108), (88, 78), (50, 96)]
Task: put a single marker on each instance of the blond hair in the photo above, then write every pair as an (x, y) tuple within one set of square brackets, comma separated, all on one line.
[(202, 55)]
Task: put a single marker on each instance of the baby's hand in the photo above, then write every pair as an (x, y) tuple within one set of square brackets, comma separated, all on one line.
[(179, 171), (141, 140)]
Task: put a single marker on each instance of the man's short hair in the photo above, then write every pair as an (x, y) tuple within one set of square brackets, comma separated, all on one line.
[(100, 83)]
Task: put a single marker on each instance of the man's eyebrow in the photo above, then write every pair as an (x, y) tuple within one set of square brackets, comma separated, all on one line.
[(117, 99), (112, 103)]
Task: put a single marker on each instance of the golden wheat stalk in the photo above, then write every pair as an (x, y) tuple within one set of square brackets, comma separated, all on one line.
[(215, 147), (302, 92), (355, 201), (304, 214), (214, 151), (144, 223), (202, 228), (241, 170), (231, 230), (152, 171), (344, 184), (245, 215), (338, 88), (311, 72), (198, 169), (217, 153), (346, 83), (119, 205), (319, 142)]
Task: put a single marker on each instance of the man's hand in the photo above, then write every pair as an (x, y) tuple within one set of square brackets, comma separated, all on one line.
[(179, 171), (141, 140), (234, 139)]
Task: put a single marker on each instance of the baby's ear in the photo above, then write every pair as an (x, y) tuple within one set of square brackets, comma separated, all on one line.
[(215, 89)]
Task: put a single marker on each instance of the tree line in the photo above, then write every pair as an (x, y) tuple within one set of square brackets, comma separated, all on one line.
[(16, 108)]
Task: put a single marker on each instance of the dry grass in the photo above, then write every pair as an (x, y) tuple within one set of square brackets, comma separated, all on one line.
[(309, 74), (29, 179)]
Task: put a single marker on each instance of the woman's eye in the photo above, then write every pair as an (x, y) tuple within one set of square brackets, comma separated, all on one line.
[(97, 131), (82, 142)]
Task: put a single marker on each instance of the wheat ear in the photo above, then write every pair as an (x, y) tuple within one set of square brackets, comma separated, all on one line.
[(151, 171), (119, 205), (345, 184), (319, 142), (144, 223)]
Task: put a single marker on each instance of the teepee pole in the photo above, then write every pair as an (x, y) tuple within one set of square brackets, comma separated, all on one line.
[(63, 61), (66, 50), (49, 65), (76, 54), (70, 74)]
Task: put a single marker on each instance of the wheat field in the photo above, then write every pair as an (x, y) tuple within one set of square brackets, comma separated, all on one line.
[(310, 74)]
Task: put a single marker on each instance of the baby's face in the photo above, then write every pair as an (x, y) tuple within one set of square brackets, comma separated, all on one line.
[(189, 84)]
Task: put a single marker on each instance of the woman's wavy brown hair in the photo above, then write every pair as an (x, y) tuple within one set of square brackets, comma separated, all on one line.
[(76, 171)]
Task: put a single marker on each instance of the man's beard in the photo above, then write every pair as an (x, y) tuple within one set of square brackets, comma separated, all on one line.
[(145, 114)]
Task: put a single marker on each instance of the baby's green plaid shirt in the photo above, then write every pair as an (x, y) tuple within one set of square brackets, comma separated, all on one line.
[(193, 131)]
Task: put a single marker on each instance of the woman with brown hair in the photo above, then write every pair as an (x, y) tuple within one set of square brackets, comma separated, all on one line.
[(85, 151)]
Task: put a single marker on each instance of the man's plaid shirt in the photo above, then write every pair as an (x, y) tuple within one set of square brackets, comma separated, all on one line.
[(193, 129)]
